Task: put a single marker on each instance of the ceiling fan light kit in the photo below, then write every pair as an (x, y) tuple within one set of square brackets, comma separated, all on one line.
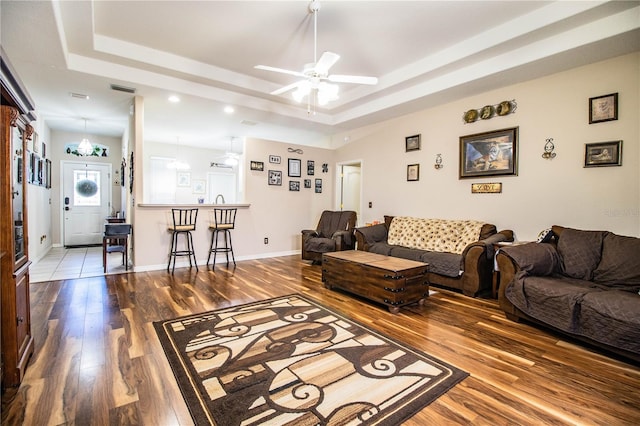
[(315, 85)]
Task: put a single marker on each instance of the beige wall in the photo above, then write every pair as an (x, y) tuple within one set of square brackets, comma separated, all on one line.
[(274, 212), (545, 192)]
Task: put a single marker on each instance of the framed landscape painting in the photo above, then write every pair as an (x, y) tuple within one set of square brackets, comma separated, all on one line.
[(489, 154)]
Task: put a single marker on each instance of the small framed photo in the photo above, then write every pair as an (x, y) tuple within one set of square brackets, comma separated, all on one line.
[(307, 183), (184, 179), (413, 172), (199, 186), (294, 185), (318, 186), (257, 165), (492, 153), (311, 167), (275, 177), (603, 154), (295, 167), (412, 143), (274, 159), (603, 108)]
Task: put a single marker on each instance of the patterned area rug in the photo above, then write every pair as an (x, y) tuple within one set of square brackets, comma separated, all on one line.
[(291, 361)]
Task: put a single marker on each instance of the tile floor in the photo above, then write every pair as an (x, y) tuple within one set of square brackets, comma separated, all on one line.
[(62, 263)]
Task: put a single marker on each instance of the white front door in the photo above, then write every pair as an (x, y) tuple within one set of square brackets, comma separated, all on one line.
[(86, 202)]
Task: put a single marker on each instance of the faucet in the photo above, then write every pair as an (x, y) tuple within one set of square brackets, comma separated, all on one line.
[(219, 196)]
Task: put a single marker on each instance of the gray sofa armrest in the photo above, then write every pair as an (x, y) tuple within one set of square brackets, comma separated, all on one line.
[(367, 235), (534, 258), (499, 237), (523, 259)]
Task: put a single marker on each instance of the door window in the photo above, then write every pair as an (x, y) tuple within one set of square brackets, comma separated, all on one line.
[(86, 184)]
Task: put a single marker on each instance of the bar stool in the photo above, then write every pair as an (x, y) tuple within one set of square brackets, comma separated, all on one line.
[(224, 220), (184, 221)]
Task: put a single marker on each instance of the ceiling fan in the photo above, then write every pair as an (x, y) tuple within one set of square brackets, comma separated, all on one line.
[(316, 77)]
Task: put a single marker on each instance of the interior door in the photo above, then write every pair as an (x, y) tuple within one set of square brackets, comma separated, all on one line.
[(350, 187), (86, 202)]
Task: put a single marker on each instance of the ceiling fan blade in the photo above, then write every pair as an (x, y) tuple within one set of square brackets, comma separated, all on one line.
[(280, 70), (357, 79), (325, 62), (285, 88)]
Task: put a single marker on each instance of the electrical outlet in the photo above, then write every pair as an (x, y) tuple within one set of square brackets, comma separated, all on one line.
[(370, 204), (266, 240)]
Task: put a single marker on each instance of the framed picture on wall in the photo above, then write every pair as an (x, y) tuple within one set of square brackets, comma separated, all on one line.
[(413, 172), (603, 154), (489, 154), (184, 179), (257, 166), (603, 108), (295, 167), (275, 177), (199, 186), (412, 143)]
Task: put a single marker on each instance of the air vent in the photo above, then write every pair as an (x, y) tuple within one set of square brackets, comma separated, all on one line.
[(123, 88), (79, 96), (248, 123)]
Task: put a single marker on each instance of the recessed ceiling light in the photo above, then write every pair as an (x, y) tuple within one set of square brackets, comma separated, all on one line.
[(174, 99), (229, 109), (79, 95)]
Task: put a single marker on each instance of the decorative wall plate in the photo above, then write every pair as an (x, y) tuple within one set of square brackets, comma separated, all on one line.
[(470, 116), (490, 111)]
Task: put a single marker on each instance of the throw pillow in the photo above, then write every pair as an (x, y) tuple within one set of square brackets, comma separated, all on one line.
[(545, 236), (620, 264), (580, 252)]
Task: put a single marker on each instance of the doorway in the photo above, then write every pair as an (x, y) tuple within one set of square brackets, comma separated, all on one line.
[(86, 202), (350, 188)]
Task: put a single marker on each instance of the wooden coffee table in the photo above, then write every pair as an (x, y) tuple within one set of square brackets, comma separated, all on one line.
[(392, 281)]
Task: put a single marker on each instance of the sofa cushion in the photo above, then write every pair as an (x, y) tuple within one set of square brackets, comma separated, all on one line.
[(580, 252), (320, 245), (439, 235), (380, 248), (612, 317), (554, 300), (619, 266), (447, 264)]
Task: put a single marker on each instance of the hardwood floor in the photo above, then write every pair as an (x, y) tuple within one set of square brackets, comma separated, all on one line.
[(98, 360)]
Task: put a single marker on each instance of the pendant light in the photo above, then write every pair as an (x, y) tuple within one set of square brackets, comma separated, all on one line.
[(230, 157), (85, 147), (177, 164)]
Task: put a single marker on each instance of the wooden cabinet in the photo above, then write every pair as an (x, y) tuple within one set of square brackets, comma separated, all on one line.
[(15, 130)]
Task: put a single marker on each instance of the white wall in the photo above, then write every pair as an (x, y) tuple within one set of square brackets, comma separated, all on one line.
[(545, 192)]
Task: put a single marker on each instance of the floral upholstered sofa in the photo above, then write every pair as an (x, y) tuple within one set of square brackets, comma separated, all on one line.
[(459, 252)]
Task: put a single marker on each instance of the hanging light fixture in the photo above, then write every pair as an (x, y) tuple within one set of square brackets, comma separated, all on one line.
[(177, 164), (85, 148), (230, 157)]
